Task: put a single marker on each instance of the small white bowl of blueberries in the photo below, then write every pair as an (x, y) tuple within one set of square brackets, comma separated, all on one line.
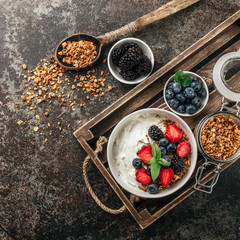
[(186, 93)]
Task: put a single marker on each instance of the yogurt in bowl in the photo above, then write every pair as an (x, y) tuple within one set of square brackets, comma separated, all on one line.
[(128, 137)]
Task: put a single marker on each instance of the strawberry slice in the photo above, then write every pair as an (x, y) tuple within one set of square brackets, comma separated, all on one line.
[(166, 175), (173, 133), (145, 153), (142, 176), (183, 149)]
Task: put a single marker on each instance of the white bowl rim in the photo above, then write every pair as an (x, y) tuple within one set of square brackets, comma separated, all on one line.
[(181, 182), (113, 72), (187, 114)]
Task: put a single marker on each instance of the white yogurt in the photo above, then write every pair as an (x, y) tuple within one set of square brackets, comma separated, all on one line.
[(129, 141)]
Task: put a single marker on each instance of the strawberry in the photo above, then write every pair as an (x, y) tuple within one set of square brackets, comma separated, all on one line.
[(166, 175), (142, 176), (145, 153), (183, 149), (173, 133)]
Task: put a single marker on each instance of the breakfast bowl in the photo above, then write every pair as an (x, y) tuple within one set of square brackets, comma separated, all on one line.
[(181, 101), (131, 135), (136, 73)]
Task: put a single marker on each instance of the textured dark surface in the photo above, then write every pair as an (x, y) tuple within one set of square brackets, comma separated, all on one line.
[(43, 195)]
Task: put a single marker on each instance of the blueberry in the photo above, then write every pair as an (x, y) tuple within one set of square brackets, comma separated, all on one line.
[(163, 150), (137, 163), (189, 92), (171, 147), (196, 102), (169, 94), (180, 97), (196, 84), (193, 84), (173, 103), (170, 85), (197, 87), (197, 79), (191, 109), (167, 158), (149, 170), (202, 92), (152, 188), (176, 87), (181, 109), (163, 142)]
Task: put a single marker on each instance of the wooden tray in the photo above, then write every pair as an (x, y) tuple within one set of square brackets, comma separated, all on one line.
[(199, 58)]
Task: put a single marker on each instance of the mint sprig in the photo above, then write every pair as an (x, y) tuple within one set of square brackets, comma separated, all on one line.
[(156, 161), (183, 79)]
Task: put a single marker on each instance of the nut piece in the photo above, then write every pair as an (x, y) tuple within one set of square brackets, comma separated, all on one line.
[(24, 66), (19, 122), (35, 129)]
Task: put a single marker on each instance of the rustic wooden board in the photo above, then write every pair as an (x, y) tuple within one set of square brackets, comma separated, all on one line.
[(200, 58)]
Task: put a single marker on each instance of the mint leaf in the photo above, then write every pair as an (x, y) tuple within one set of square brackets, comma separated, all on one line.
[(151, 161), (185, 81), (163, 162), (156, 152), (155, 169), (178, 75)]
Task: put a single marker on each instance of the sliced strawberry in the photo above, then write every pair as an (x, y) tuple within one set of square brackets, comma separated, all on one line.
[(142, 176), (173, 133), (166, 175), (183, 149), (145, 153)]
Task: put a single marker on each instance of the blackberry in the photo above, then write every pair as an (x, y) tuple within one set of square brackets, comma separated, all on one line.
[(144, 67), (129, 75), (177, 164), (126, 46), (117, 53), (130, 58), (155, 133)]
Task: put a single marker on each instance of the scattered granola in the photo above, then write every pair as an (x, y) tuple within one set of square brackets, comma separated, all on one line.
[(49, 83), (78, 53), (220, 137)]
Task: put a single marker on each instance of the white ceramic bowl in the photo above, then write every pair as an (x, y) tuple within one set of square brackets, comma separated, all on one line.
[(115, 70), (204, 100), (117, 131)]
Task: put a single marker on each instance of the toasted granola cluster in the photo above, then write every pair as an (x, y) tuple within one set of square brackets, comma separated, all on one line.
[(79, 53), (220, 137)]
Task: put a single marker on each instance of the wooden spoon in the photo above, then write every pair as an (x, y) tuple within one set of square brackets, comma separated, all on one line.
[(160, 13)]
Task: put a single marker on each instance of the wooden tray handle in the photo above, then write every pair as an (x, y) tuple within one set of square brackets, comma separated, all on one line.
[(99, 147), (160, 13)]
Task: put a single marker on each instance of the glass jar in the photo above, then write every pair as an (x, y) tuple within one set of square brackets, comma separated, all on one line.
[(225, 69)]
